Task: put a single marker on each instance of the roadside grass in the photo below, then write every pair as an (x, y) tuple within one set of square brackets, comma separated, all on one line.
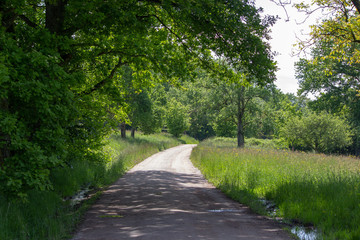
[(313, 189), (186, 139), (249, 143), (50, 214)]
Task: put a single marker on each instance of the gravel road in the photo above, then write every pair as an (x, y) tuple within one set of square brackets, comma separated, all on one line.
[(166, 197)]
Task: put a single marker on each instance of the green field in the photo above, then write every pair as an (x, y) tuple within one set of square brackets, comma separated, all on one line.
[(313, 189), (50, 214)]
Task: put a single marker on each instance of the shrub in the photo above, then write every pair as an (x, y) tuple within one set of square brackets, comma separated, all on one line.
[(319, 132)]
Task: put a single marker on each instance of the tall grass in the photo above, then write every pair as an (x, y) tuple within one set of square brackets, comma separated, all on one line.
[(249, 143), (49, 215), (309, 188)]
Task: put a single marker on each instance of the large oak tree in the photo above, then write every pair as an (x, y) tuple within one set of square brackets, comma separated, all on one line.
[(61, 66)]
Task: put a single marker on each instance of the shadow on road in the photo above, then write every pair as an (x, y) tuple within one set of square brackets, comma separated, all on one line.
[(168, 205)]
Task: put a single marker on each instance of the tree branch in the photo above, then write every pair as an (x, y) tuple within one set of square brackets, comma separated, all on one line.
[(173, 33), (283, 4), (118, 52), (28, 21), (357, 5), (105, 80)]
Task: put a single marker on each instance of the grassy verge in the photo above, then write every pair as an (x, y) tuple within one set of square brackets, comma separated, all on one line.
[(49, 215), (226, 142), (309, 188)]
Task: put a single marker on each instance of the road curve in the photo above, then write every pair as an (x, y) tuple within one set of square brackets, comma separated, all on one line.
[(166, 197)]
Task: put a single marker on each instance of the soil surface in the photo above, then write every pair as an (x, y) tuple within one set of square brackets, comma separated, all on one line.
[(166, 197)]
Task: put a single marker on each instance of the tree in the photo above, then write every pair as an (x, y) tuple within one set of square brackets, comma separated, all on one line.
[(335, 82), (61, 69), (233, 102), (177, 118), (291, 131), (141, 112), (195, 95), (332, 70), (261, 120), (339, 26), (226, 108), (139, 107)]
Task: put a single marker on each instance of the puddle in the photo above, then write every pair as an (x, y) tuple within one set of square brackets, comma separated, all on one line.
[(305, 233), (270, 206), (79, 196), (111, 216), (224, 210)]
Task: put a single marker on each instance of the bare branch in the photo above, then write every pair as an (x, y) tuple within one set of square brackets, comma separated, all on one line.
[(283, 4)]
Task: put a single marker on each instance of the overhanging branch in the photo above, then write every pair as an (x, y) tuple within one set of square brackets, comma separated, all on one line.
[(105, 80), (28, 21)]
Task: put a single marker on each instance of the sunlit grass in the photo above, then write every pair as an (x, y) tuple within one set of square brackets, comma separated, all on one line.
[(310, 188), (249, 143)]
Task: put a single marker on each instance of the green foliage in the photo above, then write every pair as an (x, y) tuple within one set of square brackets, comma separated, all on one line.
[(332, 70), (309, 188), (62, 68), (227, 107), (224, 124), (36, 118), (319, 132), (339, 26), (177, 118), (195, 95), (261, 120)]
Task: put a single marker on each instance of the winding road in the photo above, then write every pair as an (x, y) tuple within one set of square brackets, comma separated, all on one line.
[(166, 197)]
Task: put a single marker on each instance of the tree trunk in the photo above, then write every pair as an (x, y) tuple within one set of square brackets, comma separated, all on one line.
[(240, 134), (4, 138), (239, 116), (123, 130), (356, 4), (4, 149), (8, 17), (133, 132), (55, 15)]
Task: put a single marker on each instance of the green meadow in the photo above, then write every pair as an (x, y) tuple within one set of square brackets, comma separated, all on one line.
[(50, 214), (311, 189)]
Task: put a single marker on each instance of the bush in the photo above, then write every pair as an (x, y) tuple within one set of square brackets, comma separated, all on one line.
[(319, 132)]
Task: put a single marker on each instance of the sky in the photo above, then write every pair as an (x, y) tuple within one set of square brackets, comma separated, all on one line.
[(284, 35)]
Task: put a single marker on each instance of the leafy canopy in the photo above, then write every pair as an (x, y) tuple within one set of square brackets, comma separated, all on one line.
[(62, 66)]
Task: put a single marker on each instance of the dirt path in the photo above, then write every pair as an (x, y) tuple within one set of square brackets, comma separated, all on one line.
[(166, 197)]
